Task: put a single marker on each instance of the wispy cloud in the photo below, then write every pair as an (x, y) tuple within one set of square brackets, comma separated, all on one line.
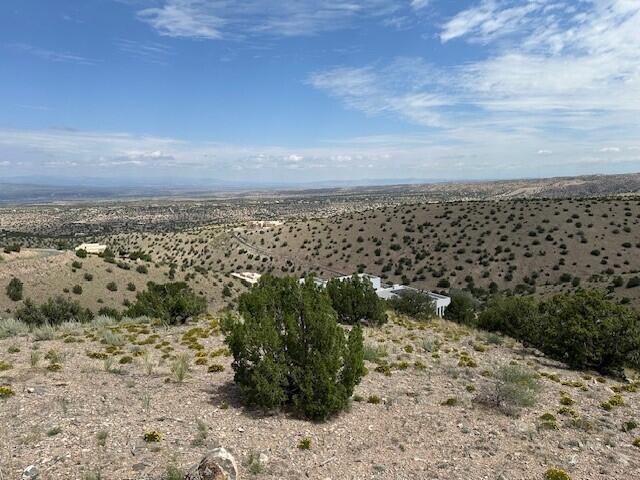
[(586, 78), (150, 52), (408, 88), (52, 55), (420, 4), (491, 19), (216, 19)]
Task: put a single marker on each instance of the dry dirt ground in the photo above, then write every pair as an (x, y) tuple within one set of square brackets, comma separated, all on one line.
[(89, 415)]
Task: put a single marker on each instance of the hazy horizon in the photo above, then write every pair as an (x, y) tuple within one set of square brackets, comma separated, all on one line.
[(318, 91)]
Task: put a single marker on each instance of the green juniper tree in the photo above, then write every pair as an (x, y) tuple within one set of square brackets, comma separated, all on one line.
[(289, 349)]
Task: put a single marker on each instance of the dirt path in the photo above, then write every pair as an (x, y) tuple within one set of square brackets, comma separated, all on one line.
[(31, 254), (32, 262)]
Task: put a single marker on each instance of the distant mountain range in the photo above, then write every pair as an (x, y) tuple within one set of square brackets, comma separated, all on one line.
[(201, 183), (33, 189)]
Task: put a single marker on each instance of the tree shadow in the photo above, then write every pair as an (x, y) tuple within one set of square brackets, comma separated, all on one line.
[(226, 393), (229, 393)]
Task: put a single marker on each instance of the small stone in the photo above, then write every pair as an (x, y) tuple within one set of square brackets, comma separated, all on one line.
[(218, 464), (30, 473)]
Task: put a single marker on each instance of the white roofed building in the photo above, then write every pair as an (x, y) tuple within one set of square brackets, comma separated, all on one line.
[(92, 248), (441, 302)]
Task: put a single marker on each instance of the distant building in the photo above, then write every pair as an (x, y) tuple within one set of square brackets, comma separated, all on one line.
[(441, 302), (265, 223), (92, 248), (250, 278)]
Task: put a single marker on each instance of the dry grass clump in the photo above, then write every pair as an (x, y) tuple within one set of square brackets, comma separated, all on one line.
[(180, 367), (10, 327), (513, 388)]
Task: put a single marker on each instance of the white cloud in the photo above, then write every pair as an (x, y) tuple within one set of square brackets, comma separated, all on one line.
[(610, 150), (545, 152), (491, 19), (215, 19), (398, 89), (183, 18), (419, 4), (563, 76)]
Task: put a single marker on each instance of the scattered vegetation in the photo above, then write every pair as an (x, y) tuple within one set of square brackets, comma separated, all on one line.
[(172, 303)]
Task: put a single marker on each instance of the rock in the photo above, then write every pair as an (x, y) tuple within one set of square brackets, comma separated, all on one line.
[(218, 464), (138, 467), (30, 473)]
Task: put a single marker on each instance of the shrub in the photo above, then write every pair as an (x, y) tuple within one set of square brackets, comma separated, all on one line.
[(110, 312), (77, 289), (513, 388), (462, 308), (415, 304), (374, 353), (305, 444), (289, 350), (556, 474), (14, 289), (82, 253), (6, 391), (10, 327), (53, 312), (140, 255), (112, 286), (589, 332), (355, 301), (152, 436), (14, 247), (583, 329), (513, 316), (633, 282), (173, 303)]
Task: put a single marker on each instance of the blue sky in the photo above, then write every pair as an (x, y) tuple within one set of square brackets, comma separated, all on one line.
[(305, 90)]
